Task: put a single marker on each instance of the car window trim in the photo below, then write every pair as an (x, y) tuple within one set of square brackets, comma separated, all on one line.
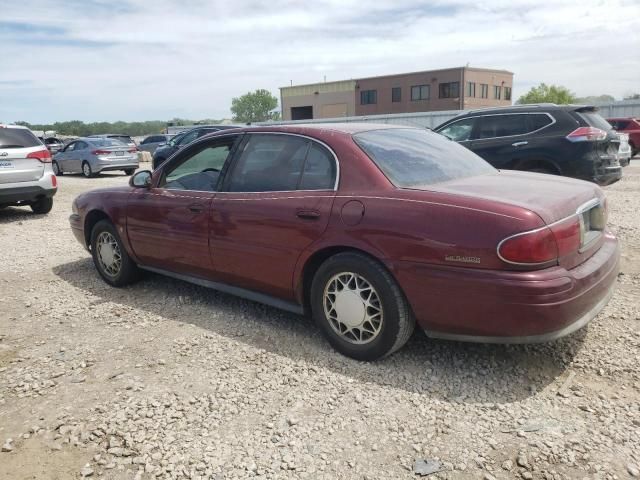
[(553, 121), (306, 137)]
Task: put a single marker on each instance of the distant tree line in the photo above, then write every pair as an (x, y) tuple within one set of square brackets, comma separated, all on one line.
[(78, 128)]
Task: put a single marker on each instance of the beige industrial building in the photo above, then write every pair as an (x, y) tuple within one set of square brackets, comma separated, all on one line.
[(458, 88)]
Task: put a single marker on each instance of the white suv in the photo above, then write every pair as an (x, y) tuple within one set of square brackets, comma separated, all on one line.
[(26, 177)]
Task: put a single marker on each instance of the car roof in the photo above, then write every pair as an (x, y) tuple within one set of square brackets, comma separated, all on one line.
[(310, 128), (4, 125), (531, 107)]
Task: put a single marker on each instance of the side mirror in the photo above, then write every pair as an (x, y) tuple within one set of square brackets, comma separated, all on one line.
[(142, 179)]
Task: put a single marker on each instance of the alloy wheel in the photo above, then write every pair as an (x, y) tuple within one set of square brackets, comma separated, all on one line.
[(353, 308)]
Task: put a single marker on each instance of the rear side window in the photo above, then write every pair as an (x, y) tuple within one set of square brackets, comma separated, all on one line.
[(538, 121), (319, 170), (594, 119), (412, 157), (17, 138), (493, 126)]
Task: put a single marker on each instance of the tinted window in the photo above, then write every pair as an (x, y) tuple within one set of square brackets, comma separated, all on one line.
[(200, 168), (396, 94), (412, 157), (368, 97), (52, 141), (460, 130), (538, 121), (269, 163), (594, 119), (484, 90), (122, 138), (81, 146), (619, 124), (319, 170), (17, 138), (106, 142), (420, 92), (449, 90), (501, 126), (471, 89), (70, 148), (189, 137)]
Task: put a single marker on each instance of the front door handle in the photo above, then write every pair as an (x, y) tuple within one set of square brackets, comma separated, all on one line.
[(308, 214), (196, 208), (519, 144)]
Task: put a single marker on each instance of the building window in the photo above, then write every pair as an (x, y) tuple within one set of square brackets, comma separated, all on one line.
[(449, 90), (484, 90), (507, 93), (497, 90), (420, 92), (396, 94), (368, 97), (471, 89)]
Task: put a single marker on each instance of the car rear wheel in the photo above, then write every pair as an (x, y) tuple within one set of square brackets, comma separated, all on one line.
[(129, 171), (110, 257), (56, 169), (42, 205), (86, 170), (359, 307)]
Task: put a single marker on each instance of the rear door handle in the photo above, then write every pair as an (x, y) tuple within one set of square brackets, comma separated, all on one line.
[(196, 208), (308, 214), (519, 144)]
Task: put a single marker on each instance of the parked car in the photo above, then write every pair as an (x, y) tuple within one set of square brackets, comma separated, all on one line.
[(630, 126), (569, 140), (26, 177), (369, 228), (92, 155), (179, 141), (624, 153), (152, 142), (53, 144), (126, 139)]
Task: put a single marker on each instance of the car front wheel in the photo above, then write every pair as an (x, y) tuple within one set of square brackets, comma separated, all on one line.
[(110, 257), (359, 307)]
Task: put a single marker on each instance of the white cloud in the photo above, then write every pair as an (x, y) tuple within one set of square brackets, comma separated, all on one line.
[(145, 59)]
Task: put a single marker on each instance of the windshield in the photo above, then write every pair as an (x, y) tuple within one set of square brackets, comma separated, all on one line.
[(413, 157)]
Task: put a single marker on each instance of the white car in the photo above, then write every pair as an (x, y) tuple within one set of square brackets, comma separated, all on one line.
[(26, 176), (624, 152)]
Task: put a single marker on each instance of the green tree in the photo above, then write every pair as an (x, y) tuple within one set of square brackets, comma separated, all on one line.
[(544, 93), (254, 107)]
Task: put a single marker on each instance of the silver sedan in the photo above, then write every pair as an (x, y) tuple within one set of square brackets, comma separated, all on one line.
[(90, 156)]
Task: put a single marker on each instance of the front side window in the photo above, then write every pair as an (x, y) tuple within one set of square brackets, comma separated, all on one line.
[(368, 97), (199, 170), (70, 148), (497, 90), (396, 94), (459, 131), (484, 90), (188, 138), (420, 92), (449, 90), (281, 163), (493, 126), (411, 157), (81, 146), (471, 89)]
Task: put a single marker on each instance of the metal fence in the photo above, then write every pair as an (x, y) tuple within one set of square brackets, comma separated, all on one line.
[(624, 108)]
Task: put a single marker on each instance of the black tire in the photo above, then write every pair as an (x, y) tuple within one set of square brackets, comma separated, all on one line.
[(129, 171), (42, 205), (56, 169), (86, 170), (128, 272), (397, 319)]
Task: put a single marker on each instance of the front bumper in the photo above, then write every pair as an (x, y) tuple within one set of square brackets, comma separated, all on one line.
[(78, 229), (510, 307), (608, 175)]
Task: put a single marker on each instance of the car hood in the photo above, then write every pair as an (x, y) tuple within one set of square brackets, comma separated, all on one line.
[(552, 197)]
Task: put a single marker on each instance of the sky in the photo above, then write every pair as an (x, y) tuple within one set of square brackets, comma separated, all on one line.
[(134, 60)]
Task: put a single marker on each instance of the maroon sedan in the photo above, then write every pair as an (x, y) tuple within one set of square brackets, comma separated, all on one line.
[(369, 228)]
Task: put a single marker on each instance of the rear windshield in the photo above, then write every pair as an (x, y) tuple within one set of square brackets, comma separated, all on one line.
[(17, 138), (413, 157), (594, 119), (107, 142), (122, 138)]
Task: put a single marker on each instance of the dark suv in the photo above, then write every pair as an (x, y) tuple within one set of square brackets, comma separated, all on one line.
[(570, 140)]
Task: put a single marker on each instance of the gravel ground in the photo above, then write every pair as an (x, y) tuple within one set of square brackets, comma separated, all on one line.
[(169, 380)]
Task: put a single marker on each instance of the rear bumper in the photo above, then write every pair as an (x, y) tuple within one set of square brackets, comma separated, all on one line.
[(25, 192), (608, 175), (510, 307), (114, 165)]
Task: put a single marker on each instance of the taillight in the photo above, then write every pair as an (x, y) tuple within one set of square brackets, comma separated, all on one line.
[(101, 152), (587, 134), (43, 155), (54, 181), (132, 150), (543, 245)]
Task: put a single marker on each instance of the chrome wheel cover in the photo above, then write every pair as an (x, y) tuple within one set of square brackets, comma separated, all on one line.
[(108, 254), (353, 308)]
